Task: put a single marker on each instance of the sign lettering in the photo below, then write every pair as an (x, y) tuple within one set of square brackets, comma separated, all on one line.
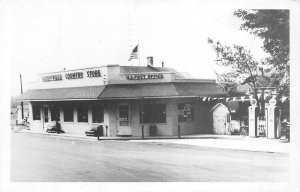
[(95, 73), (76, 75), (57, 77), (73, 75), (144, 76)]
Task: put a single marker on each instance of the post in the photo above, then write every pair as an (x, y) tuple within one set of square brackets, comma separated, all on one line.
[(22, 106), (178, 131), (106, 126), (142, 114), (262, 112)]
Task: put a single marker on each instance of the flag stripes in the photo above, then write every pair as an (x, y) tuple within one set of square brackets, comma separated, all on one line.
[(134, 53)]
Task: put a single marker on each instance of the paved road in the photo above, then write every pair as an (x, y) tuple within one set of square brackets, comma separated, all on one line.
[(46, 158)]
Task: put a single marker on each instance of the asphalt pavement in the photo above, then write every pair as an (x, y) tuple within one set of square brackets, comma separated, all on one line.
[(36, 158)]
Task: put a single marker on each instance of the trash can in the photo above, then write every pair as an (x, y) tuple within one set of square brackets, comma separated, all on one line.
[(153, 130), (100, 131)]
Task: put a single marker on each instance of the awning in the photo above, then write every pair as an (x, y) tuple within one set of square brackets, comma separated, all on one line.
[(70, 93), (161, 90)]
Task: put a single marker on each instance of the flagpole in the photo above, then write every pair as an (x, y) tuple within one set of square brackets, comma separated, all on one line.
[(141, 91), (139, 55), (22, 105)]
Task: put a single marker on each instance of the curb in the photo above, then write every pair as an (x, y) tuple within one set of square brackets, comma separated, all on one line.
[(163, 140)]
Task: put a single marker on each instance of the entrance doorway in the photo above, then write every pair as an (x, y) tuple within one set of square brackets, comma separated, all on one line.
[(124, 128)]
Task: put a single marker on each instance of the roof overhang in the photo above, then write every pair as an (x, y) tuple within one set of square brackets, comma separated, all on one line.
[(62, 94)]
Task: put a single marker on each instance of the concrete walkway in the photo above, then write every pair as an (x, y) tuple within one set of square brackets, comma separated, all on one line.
[(205, 140), (238, 143)]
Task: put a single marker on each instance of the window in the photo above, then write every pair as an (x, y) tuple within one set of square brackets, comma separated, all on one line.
[(154, 113), (82, 113), (124, 115), (185, 112), (55, 113), (97, 113), (36, 113), (68, 113)]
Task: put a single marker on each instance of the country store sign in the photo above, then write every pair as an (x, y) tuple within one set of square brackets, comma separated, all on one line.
[(72, 75)]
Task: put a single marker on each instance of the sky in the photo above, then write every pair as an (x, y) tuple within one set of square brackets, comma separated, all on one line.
[(45, 36)]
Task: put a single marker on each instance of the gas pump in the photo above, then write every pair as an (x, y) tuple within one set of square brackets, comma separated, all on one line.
[(253, 113), (273, 120)]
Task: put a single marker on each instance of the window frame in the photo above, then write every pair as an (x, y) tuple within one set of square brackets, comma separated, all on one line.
[(33, 112), (192, 112), (87, 113), (163, 118), (64, 112), (101, 110)]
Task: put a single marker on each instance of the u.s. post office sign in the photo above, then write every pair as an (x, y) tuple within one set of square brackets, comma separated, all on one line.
[(144, 76)]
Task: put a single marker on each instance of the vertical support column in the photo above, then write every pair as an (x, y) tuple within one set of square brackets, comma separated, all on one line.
[(106, 120), (142, 131), (253, 121), (61, 113), (90, 116), (75, 114), (30, 117), (278, 122), (49, 113), (61, 116)]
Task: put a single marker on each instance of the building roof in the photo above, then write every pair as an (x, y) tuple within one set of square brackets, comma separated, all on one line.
[(70, 93), (161, 90), (115, 91), (217, 106), (138, 90)]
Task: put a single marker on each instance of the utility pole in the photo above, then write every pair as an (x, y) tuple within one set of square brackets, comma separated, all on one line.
[(22, 107)]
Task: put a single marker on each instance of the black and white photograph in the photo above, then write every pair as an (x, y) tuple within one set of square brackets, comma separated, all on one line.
[(162, 95)]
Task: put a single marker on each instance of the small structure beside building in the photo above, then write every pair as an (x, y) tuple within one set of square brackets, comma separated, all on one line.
[(221, 120)]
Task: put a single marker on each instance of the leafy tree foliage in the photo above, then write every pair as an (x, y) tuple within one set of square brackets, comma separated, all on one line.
[(273, 27), (240, 65)]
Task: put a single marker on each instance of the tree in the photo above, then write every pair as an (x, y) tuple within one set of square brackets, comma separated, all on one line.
[(240, 67), (273, 27)]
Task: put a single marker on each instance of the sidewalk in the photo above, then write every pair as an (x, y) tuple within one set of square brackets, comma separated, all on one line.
[(230, 142), (236, 142)]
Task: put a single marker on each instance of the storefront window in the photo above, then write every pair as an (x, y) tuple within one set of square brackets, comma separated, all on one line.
[(154, 113), (185, 112), (68, 113), (36, 113), (97, 113), (82, 113), (55, 113)]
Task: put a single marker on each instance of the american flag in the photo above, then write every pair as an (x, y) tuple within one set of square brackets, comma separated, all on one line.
[(134, 53)]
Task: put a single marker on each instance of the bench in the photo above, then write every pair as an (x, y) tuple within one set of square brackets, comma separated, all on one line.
[(91, 132)]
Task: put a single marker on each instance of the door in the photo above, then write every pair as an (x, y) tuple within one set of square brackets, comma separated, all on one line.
[(220, 122), (123, 120)]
